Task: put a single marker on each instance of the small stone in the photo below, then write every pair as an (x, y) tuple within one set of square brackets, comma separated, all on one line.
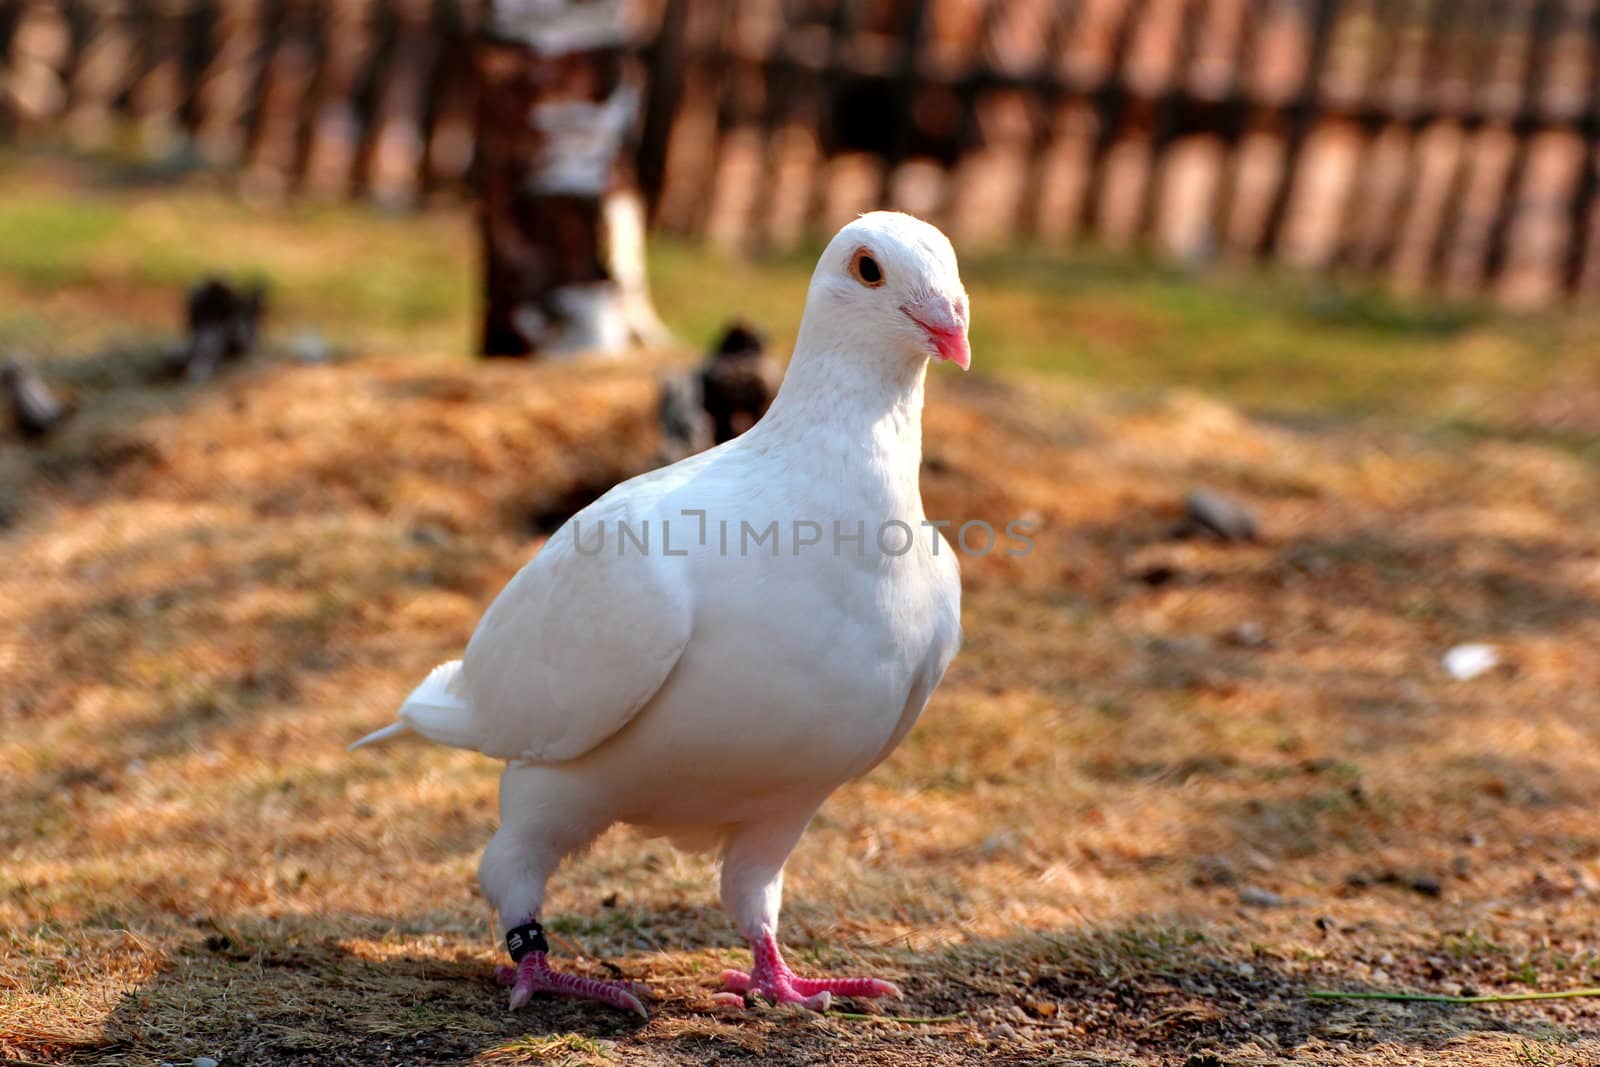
[(1468, 991), (1219, 515), (1247, 970), (1466, 662), (1257, 897), (309, 346), (428, 535), (1004, 1032), (1428, 887), (1249, 634), (204, 1061), (1156, 574), (33, 406), (1214, 870), (998, 844)]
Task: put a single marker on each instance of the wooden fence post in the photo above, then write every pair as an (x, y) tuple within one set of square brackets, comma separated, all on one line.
[(561, 221)]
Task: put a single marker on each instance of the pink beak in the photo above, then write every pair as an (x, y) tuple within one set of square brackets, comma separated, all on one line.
[(945, 322)]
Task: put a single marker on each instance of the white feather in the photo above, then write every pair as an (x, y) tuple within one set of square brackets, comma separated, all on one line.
[(435, 711), (376, 737)]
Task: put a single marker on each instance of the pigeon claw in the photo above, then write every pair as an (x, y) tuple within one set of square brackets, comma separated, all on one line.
[(535, 975), (779, 989), (771, 980)]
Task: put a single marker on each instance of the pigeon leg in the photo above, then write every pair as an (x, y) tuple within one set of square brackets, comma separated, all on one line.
[(541, 822), (771, 979), (535, 975), (752, 891)]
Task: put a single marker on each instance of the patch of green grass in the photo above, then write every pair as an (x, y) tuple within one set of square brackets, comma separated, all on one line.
[(1157, 943), (114, 262), (45, 241), (1472, 945), (1274, 342)]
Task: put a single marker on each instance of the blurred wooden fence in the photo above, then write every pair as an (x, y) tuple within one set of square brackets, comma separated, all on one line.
[(1448, 144), (328, 97)]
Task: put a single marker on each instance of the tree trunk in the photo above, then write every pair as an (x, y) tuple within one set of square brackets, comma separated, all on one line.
[(560, 215)]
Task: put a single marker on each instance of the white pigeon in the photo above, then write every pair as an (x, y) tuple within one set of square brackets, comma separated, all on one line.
[(711, 649)]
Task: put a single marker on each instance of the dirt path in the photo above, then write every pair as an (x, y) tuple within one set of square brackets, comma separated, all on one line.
[(1169, 787)]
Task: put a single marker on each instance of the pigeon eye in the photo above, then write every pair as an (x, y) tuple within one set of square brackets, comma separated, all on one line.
[(866, 269)]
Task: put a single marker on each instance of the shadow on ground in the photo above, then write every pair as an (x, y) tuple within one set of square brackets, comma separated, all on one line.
[(1154, 991)]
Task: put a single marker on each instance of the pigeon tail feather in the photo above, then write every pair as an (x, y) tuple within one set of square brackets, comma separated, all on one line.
[(393, 730), (434, 711)]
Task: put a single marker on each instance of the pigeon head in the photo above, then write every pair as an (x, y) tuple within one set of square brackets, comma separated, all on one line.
[(895, 277)]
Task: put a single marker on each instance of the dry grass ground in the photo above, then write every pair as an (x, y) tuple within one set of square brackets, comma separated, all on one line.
[(1126, 831)]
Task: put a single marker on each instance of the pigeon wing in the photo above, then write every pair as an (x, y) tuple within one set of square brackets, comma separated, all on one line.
[(575, 645)]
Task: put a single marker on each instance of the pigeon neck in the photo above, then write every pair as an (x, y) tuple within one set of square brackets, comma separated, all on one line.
[(838, 399)]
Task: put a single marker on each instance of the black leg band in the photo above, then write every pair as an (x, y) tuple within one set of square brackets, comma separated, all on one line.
[(521, 940)]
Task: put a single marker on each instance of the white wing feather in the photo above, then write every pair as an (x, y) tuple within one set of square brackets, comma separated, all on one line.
[(577, 643), (571, 650)]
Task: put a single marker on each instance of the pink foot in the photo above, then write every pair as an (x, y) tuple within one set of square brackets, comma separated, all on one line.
[(771, 979), (535, 975)]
